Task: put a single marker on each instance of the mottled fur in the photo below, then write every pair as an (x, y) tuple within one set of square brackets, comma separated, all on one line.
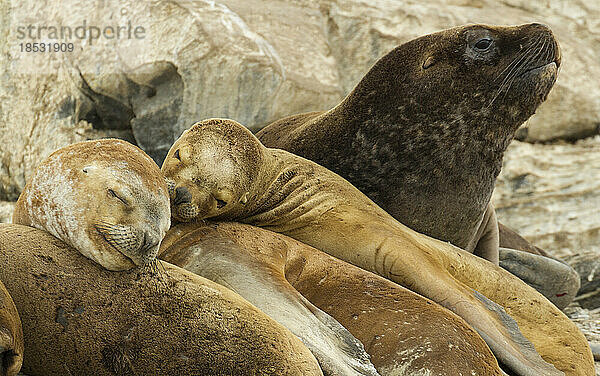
[(426, 141)]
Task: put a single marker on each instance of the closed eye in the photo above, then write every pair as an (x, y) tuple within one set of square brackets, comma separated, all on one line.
[(176, 155), (115, 195)]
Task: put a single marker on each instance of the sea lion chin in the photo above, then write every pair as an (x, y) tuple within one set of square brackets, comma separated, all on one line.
[(105, 198)]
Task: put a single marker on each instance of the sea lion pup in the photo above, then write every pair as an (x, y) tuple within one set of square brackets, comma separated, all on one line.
[(105, 198), (424, 132), (11, 336), (218, 169), (405, 333), (256, 272), (81, 319)]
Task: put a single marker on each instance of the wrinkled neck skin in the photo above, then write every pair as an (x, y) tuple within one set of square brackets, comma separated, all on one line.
[(286, 196)]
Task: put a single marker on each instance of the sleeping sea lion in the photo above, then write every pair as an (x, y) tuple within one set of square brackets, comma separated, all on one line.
[(81, 319), (218, 169), (257, 274), (105, 198), (404, 332)]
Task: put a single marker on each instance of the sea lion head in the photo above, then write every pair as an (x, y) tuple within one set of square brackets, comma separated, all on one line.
[(105, 198), (210, 170), (475, 75)]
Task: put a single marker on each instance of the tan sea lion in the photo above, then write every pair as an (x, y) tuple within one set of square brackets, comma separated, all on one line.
[(424, 132), (81, 319), (404, 332), (11, 336), (218, 169), (105, 198), (255, 271)]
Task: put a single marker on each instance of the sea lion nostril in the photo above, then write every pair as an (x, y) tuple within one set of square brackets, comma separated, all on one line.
[(149, 242), (182, 196)]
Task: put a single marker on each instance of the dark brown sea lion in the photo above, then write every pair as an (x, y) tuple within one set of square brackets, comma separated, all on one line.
[(218, 169), (404, 332), (424, 132), (81, 319), (11, 336)]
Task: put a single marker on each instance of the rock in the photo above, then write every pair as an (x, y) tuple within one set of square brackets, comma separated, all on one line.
[(551, 194), (587, 265), (235, 59), (6, 210)]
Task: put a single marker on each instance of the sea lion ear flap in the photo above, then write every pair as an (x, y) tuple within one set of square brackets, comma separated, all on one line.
[(429, 62)]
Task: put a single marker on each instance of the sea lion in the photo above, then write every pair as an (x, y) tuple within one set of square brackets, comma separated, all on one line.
[(11, 336), (424, 132), (81, 319), (256, 272), (105, 198), (218, 169), (404, 332)]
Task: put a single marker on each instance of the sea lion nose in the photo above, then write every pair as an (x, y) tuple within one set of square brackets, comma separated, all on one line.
[(150, 242), (182, 196)]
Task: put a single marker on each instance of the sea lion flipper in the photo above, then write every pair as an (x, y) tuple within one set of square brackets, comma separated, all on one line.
[(556, 280), (496, 327), (488, 236), (535, 365)]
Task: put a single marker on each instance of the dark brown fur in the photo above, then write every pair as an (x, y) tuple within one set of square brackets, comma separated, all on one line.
[(426, 142)]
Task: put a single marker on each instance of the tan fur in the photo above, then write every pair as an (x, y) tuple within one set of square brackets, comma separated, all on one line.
[(404, 332), (106, 198), (80, 319), (303, 200), (251, 263), (11, 336)]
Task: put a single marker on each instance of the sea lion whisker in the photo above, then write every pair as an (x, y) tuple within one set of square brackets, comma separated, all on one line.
[(515, 71), (510, 75), (518, 58)]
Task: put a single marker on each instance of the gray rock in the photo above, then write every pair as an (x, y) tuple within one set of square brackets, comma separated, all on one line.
[(6, 210), (587, 265), (551, 195)]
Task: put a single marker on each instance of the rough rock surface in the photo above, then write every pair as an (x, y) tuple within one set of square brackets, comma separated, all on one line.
[(6, 210), (258, 60), (250, 60), (551, 194), (587, 265)]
